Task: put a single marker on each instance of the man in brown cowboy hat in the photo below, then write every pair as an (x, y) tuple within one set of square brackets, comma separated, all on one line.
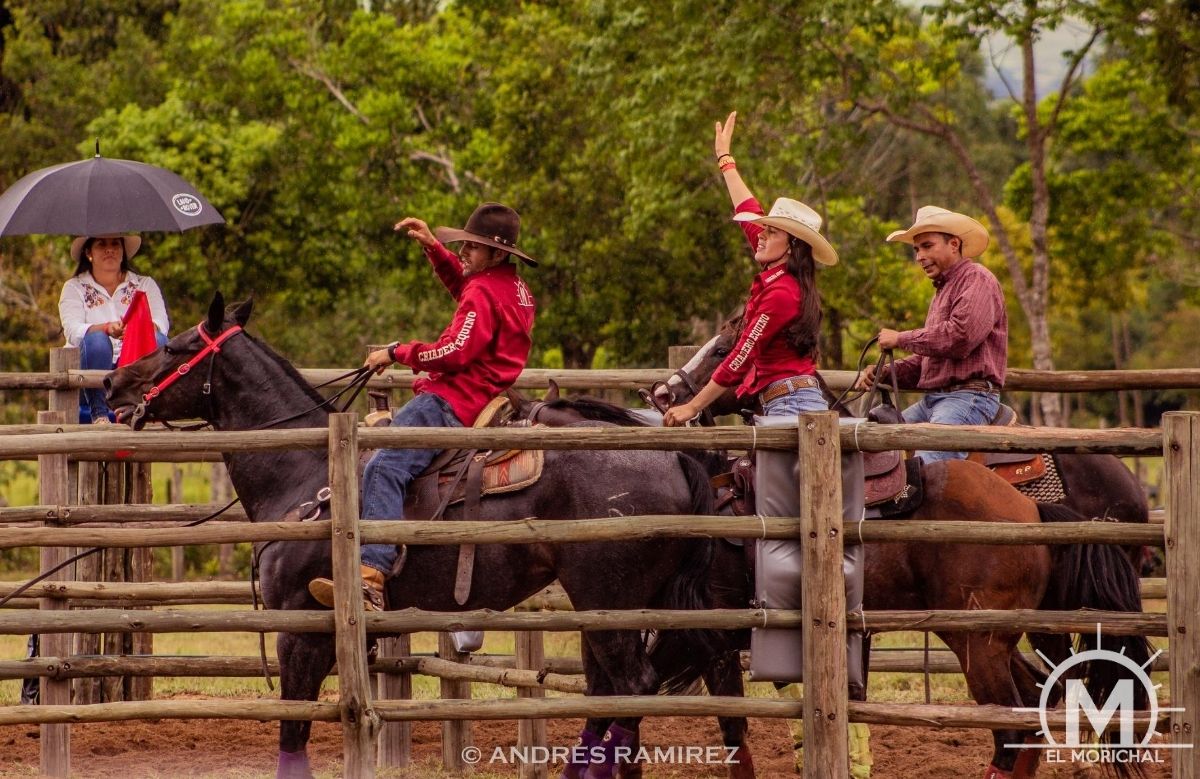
[(960, 356), (477, 357)]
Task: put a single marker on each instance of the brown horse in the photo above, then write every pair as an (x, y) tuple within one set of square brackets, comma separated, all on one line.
[(920, 576)]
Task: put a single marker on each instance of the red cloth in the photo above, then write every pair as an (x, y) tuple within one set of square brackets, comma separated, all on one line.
[(965, 334), (484, 349), (762, 354), (139, 337)]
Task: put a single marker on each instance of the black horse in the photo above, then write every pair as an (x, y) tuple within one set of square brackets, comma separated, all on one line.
[(920, 576), (249, 385)]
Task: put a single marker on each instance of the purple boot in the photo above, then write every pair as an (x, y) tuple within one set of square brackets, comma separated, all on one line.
[(293, 765), (618, 738), (581, 755)]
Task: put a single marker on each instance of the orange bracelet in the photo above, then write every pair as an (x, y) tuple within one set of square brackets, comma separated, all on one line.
[(728, 166)]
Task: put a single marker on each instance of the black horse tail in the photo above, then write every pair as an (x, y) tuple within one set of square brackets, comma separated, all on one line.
[(1096, 576), (681, 656)]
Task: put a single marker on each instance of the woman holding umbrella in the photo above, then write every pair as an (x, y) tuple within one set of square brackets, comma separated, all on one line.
[(93, 305)]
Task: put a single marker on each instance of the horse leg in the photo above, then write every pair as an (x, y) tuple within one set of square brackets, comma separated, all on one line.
[(724, 677), (987, 661), (592, 736), (304, 662), (1029, 680), (622, 658)]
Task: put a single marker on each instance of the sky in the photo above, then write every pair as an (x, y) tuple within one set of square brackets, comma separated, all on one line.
[(1051, 65)]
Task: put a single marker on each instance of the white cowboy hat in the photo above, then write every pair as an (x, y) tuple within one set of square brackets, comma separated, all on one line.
[(931, 219), (795, 218), (132, 244)]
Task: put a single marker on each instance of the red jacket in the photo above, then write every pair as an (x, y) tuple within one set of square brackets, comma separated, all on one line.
[(762, 354), (487, 343)]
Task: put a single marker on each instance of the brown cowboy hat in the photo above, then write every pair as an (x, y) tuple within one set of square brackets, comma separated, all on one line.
[(932, 219), (491, 224), (132, 244)]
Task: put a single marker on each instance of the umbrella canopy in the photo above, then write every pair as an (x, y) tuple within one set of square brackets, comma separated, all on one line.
[(102, 196)]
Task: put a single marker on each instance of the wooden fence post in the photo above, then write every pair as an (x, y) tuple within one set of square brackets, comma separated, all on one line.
[(823, 604), (1181, 453), (395, 738), (531, 654), (52, 491), (360, 724), (456, 734), (141, 569)]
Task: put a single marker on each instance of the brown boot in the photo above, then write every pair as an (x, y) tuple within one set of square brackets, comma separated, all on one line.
[(372, 589)]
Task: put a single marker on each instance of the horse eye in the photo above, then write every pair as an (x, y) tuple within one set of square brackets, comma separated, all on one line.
[(168, 349), (721, 351)]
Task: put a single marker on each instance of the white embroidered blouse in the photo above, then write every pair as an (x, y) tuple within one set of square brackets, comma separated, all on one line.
[(84, 303)]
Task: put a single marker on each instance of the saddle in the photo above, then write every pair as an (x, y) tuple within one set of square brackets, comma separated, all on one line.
[(465, 476), (1035, 475)]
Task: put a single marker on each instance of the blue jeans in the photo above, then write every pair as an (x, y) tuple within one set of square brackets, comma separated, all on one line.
[(96, 354), (964, 407), (804, 399), (390, 471)]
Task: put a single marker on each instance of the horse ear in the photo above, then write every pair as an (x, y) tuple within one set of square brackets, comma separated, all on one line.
[(216, 314), (241, 314), (552, 393), (516, 400)]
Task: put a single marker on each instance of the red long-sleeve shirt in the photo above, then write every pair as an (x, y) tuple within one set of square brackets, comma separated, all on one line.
[(485, 347), (965, 334), (762, 354)]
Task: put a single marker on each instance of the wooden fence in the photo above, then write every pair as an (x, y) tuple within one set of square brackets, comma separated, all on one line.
[(63, 447), (818, 439)]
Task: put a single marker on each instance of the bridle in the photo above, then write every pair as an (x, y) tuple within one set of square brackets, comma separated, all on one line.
[(212, 347)]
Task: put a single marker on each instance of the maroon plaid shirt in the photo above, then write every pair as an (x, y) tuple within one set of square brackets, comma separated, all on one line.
[(965, 334)]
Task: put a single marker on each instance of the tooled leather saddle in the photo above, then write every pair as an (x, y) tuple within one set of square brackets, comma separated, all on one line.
[(465, 476)]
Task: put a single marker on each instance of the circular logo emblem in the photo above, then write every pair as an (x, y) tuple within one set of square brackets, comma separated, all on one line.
[(188, 205), (1097, 656)]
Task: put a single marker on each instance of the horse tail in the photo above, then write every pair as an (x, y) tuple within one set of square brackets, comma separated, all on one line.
[(1095, 576), (682, 656)]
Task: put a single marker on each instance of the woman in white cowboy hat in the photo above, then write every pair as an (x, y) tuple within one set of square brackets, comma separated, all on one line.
[(775, 356), (961, 354), (93, 303)]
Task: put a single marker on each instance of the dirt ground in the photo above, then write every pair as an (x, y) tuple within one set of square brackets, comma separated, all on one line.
[(219, 748)]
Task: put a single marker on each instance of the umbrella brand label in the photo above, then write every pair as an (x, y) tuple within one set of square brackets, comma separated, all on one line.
[(188, 205)]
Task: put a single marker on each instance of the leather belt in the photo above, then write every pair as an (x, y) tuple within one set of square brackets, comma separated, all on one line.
[(973, 385), (777, 389)]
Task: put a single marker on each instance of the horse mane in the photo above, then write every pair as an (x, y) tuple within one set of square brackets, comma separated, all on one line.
[(599, 410), (288, 369)]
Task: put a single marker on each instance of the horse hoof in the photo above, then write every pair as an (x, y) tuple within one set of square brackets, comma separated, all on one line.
[(293, 765), (993, 772), (742, 766)]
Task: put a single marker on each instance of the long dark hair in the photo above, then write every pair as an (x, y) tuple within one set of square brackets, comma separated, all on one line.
[(84, 264), (804, 332)]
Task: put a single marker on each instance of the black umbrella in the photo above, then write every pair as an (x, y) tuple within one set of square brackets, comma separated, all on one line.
[(102, 196)]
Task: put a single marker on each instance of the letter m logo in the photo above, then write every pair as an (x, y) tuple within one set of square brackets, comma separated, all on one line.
[(1079, 699)]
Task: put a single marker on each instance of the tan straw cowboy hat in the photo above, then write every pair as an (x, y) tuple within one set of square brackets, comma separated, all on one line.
[(491, 224), (132, 244), (796, 219), (931, 219)]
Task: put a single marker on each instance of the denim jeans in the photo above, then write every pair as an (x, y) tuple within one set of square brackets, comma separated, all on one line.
[(964, 407), (390, 471), (803, 399), (96, 354)]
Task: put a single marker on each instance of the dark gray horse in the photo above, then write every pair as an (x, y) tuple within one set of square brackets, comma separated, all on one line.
[(252, 386)]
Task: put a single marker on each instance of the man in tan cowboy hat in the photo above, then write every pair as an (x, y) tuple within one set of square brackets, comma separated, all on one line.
[(478, 356), (960, 356)]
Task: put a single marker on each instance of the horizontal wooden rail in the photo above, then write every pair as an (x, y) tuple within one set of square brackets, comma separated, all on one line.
[(556, 669), (530, 531), (220, 592), (85, 666), (129, 512), (865, 436), (1016, 380), (921, 715), (413, 620)]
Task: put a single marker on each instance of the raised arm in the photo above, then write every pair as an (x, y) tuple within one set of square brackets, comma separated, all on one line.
[(738, 191)]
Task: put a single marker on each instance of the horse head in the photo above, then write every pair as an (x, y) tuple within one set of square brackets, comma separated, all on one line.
[(686, 382), (176, 380)]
